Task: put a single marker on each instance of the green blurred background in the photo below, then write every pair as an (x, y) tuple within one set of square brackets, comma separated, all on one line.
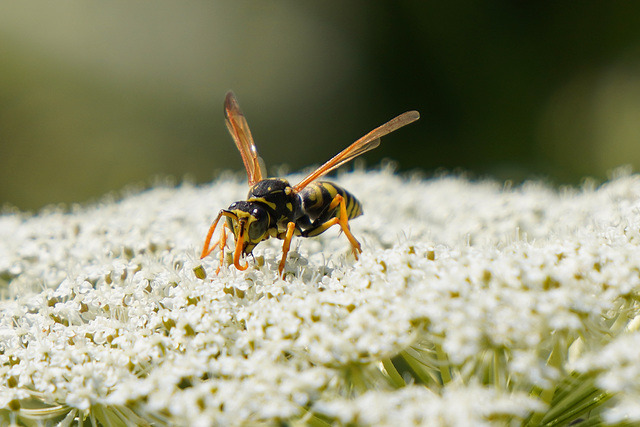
[(95, 95)]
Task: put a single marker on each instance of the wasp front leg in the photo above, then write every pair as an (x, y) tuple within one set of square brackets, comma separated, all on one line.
[(222, 242), (342, 219)]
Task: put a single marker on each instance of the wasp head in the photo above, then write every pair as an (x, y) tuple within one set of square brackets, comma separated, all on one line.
[(249, 223)]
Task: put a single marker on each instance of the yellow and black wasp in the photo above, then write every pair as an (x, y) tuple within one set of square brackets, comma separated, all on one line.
[(274, 208)]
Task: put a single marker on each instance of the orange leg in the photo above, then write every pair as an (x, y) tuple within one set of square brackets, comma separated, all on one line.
[(206, 250), (344, 224), (341, 219), (291, 227), (222, 243)]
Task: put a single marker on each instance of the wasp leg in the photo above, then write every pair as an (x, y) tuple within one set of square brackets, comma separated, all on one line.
[(291, 227), (341, 219), (222, 243), (206, 250)]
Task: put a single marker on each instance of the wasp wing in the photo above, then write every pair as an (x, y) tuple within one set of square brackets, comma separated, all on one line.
[(239, 130), (362, 145)]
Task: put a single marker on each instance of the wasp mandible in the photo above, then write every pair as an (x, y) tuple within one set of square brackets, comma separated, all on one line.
[(274, 208)]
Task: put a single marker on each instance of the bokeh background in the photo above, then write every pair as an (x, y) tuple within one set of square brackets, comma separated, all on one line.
[(96, 95)]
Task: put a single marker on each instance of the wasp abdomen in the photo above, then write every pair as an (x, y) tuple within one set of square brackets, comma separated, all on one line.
[(317, 196)]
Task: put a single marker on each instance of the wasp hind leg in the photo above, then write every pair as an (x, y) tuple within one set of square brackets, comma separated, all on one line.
[(342, 219)]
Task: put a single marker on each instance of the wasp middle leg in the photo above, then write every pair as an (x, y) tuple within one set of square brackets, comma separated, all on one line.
[(291, 228)]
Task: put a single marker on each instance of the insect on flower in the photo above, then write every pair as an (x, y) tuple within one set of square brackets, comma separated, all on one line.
[(274, 208)]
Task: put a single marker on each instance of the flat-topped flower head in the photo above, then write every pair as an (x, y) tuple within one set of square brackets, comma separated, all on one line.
[(470, 304)]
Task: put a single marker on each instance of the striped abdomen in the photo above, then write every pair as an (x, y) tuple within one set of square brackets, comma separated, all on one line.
[(317, 196)]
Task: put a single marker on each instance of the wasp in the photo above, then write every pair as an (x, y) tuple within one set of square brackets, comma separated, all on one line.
[(274, 208)]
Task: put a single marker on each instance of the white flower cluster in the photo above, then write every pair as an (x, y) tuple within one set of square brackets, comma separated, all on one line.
[(471, 304)]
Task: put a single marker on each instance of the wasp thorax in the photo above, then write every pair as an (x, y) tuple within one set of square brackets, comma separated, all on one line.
[(270, 187)]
